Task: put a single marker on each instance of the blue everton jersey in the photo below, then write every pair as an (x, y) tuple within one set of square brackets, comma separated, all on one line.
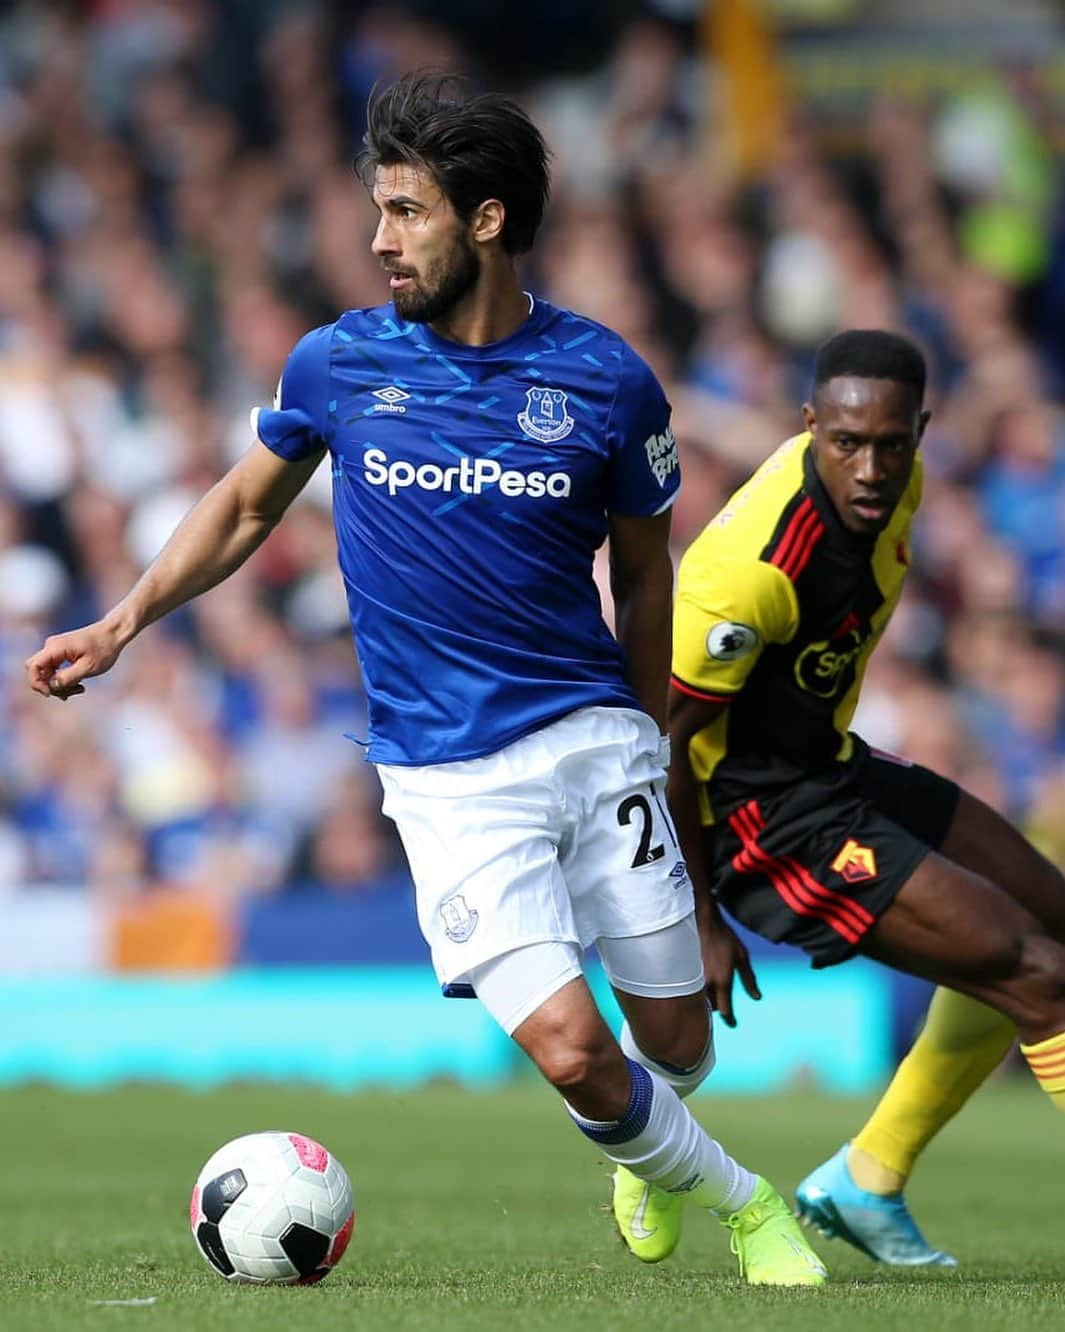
[(471, 487)]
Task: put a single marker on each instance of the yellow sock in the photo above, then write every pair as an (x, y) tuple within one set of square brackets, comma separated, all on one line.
[(1047, 1061), (961, 1043)]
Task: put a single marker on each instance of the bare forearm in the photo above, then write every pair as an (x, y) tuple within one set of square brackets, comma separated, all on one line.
[(212, 540), (644, 624)]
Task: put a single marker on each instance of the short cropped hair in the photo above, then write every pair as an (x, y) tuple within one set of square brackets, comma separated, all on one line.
[(476, 146), (871, 353)]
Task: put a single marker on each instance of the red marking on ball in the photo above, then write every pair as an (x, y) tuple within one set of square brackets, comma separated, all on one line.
[(312, 1278), (312, 1154), (340, 1242)]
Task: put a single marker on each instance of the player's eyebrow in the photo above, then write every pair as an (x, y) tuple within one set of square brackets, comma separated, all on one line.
[(401, 201)]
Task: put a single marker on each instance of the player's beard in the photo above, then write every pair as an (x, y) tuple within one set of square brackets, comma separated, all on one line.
[(445, 283)]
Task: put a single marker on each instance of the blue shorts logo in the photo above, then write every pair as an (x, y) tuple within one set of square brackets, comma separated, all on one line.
[(545, 417), (459, 920)]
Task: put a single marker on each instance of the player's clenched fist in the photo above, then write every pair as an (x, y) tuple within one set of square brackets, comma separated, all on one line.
[(56, 671)]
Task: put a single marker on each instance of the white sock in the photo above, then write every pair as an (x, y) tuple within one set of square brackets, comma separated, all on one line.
[(659, 1141), (683, 1080)]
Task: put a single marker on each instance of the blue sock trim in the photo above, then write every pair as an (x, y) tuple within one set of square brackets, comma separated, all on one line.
[(676, 1069), (633, 1122)]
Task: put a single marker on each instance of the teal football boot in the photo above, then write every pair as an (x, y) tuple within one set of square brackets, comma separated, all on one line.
[(879, 1225)]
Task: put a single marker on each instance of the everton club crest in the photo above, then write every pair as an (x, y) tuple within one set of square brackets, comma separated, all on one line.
[(545, 417), (460, 921)]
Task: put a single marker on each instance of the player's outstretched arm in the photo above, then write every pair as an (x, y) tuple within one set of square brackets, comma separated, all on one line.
[(724, 955), (213, 539)]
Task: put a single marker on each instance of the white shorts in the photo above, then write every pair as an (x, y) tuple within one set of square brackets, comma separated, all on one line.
[(659, 965), (562, 835)]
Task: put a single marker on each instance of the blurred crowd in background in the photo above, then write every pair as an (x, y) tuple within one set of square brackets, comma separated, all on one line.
[(177, 206)]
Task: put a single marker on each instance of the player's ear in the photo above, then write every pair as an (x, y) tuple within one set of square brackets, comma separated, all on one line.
[(922, 422), (809, 417), (487, 221)]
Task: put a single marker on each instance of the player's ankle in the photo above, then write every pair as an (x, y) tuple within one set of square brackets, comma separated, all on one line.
[(871, 1174)]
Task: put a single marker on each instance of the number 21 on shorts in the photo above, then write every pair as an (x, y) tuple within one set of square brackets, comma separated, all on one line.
[(635, 810)]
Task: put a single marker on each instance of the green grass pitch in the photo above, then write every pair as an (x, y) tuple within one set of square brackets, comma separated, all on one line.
[(482, 1212)]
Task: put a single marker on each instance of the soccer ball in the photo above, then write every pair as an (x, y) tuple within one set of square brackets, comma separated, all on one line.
[(272, 1207)]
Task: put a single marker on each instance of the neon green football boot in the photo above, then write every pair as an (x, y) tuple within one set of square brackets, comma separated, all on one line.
[(648, 1219), (767, 1240)]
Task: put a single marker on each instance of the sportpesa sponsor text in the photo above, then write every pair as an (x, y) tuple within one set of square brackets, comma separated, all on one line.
[(473, 476), (470, 476)]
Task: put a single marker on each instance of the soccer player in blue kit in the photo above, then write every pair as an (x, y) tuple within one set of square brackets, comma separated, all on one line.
[(484, 444)]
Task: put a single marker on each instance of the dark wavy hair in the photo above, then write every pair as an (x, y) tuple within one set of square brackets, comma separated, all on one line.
[(475, 146), (871, 353)]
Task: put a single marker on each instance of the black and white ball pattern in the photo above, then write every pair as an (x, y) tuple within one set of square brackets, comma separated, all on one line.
[(272, 1207)]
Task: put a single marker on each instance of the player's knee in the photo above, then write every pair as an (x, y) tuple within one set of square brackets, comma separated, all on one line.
[(681, 1051), (1032, 987), (1051, 888), (1055, 880), (688, 1045), (573, 1065), (1042, 971)]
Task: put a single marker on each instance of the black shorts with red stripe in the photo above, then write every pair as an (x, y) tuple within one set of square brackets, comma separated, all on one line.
[(814, 865)]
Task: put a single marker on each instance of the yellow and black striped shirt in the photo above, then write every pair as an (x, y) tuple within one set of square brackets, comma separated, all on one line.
[(779, 607)]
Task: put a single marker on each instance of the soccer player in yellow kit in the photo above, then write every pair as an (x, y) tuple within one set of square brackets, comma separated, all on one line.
[(808, 836)]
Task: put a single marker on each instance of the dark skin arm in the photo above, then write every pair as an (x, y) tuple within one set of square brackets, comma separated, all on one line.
[(724, 954), (641, 581)]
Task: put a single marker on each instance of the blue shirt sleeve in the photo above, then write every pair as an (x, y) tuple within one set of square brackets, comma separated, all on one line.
[(645, 468), (296, 426)]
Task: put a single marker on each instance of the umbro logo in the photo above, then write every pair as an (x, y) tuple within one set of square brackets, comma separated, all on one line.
[(389, 399)]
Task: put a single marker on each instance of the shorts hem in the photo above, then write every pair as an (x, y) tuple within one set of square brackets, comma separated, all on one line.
[(448, 977), (661, 923), (511, 1020), (641, 991)]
